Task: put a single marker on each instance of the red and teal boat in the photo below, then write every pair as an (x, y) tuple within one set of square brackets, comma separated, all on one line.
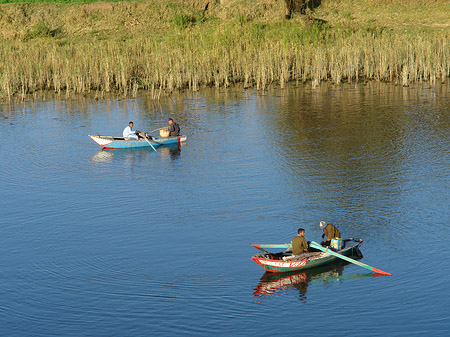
[(286, 262)]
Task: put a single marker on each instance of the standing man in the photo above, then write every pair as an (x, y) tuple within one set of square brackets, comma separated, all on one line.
[(299, 244), (129, 134), (174, 128), (329, 232)]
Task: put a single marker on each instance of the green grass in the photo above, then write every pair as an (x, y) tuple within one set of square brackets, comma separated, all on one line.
[(40, 30)]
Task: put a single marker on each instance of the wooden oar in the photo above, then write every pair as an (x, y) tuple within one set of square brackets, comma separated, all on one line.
[(164, 127), (261, 247), (146, 139), (329, 251), (282, 245)]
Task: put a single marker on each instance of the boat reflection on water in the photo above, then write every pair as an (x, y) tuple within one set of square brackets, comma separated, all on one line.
[(102, 156), (135, 155), (171, 151), (273, 283), (131, 156)]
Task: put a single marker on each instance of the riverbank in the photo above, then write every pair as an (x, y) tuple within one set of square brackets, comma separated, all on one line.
[(164, 46)]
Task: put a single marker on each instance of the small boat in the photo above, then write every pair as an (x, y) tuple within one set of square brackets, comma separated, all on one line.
[(286, 262), (111, 142)]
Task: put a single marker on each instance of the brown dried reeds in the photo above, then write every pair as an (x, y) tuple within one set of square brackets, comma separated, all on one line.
[(214, 53)]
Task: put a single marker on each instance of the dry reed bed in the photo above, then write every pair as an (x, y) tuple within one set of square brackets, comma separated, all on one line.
[(192, 60)]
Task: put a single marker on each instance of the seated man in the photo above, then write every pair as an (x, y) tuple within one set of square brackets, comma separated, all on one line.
[(299, 244), (330, 232), (129, 134), (174, 128)]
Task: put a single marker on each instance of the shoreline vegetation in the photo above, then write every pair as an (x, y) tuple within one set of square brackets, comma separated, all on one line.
[(161, 46)]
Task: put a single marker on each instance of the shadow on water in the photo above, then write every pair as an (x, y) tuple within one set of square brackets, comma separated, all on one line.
[(271, 284), (358, 149)]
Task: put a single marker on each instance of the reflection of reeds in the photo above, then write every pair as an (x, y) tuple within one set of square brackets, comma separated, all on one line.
[(218, 55)]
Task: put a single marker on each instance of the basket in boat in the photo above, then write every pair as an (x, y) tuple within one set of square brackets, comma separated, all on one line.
[(164, 133)]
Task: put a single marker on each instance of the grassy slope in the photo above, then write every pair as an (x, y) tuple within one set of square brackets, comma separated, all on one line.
[(398, 15), (170, 44), (128, 17)]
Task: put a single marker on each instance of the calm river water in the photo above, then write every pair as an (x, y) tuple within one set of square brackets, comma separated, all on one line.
[(143, 243)]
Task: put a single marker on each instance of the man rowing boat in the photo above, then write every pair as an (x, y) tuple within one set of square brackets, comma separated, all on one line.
[(129, 134), (299, 244)]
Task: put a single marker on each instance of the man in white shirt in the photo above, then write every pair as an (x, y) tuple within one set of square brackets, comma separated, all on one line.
[(128, 132)]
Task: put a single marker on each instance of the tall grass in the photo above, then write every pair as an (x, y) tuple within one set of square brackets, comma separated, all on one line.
[(194, 54)]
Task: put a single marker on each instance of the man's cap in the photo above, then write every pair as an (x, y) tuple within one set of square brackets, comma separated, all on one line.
[(130, 122), (323, 224), (170, 119)]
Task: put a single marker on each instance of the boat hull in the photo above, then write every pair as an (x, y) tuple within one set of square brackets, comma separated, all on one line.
[(114, 143), (305, 261)]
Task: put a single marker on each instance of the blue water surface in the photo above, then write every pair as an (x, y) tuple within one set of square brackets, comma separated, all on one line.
[(142, 243)]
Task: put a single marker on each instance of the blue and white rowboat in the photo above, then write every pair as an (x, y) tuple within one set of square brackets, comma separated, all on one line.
[(111, 142)]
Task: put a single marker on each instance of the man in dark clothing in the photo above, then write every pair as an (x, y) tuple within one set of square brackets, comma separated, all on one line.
[(174, 128), (329, 232), (299, 244)]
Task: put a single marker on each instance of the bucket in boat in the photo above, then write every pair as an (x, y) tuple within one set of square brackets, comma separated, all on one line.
[(336, 244), (164, 133)]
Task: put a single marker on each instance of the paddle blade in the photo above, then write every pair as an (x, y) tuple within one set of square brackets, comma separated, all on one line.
[(150, 144), (378, 271)]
